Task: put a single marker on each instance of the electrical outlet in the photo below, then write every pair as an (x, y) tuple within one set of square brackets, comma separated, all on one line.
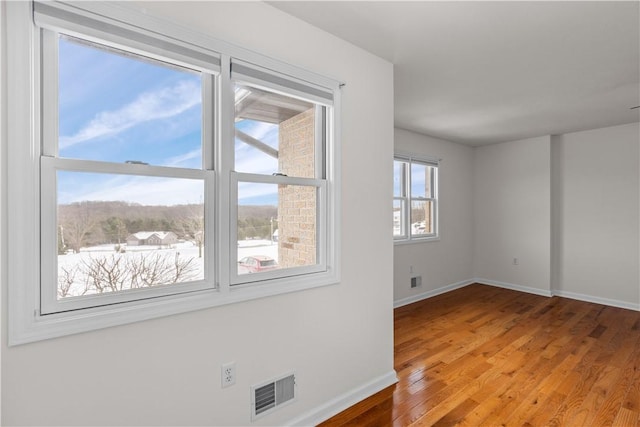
[(228, 374)]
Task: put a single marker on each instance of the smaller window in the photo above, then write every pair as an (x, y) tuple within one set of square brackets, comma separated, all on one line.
[(415, 200), (279, 183)]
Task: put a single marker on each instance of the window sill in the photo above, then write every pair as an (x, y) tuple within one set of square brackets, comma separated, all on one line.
[(41, 327), (416, 241)]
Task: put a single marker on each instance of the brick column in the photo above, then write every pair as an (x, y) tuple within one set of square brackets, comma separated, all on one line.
[(297, 205)]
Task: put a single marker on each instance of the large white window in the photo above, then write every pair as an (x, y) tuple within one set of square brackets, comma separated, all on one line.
[(154, 174), (124, 181), (415, 199)]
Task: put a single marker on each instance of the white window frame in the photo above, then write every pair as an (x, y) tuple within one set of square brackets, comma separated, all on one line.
[(406, 198), (321, 262), (250, 75), (30, 234), (50, 164)]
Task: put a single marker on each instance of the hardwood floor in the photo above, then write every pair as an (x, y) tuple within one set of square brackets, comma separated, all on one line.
[(485, 356)]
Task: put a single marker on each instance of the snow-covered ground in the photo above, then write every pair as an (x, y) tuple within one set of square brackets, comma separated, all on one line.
[(184, 250), (257, 247)]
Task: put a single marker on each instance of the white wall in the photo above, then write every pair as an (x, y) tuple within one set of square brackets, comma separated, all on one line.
[(512, 214), (566, 206), (597, 180), (3, 136), (337, 338), (447, 261)]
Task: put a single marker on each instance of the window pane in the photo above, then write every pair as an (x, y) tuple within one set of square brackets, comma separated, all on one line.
[(274, 133), (422, 180), (120, 232), (421, 217), (398, 218), (276, 226), (119, 107), (399, 184)]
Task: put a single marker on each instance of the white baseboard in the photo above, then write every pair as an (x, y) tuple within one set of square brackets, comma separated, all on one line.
[(542, 292), (344, 401), (527, 289), (431, 293), (564, 294), (598, 300)]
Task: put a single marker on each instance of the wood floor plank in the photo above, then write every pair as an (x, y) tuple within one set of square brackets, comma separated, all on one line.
[(346, 416), (546, 390), (597, 396), (615, 400), (631, 400), (486, 356), (541, 415), (627, 418), (470, 388)]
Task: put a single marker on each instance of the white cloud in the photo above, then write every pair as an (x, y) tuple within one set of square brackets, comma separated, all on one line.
[(160, 104), (249, 190), (153, 191), (183, 159), (254, 161)]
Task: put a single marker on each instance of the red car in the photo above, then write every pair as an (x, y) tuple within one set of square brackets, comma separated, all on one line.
[(258, 263)]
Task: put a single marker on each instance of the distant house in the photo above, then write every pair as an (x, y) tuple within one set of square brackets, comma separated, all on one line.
[(152, 238)]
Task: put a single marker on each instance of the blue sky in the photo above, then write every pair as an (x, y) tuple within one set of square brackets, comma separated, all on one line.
[(116, 108), (418, 182)]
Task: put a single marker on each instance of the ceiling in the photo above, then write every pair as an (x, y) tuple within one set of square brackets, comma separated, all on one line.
[(486, 72)]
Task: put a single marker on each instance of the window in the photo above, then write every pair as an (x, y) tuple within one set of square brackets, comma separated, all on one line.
[(279, 170), (123, 176), (415, 200), (170, 175)]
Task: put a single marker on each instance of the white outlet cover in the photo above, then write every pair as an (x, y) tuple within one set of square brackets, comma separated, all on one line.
[(228, 374)]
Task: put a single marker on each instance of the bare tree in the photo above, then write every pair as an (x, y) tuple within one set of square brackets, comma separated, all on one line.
[(66, 279), (105, 274), (159, 269), (191, 226), (78, 223), (115, 272)]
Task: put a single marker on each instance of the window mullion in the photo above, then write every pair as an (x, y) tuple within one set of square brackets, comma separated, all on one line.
[(321, 225), (277, 179), (404, 186), (405, 190), (225, 159), (48, 120), (208, 121), (48, 234), (320, 142), (49, 80), (94, 166)]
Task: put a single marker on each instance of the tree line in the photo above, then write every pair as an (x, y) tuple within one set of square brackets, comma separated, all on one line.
[(91, 223)]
